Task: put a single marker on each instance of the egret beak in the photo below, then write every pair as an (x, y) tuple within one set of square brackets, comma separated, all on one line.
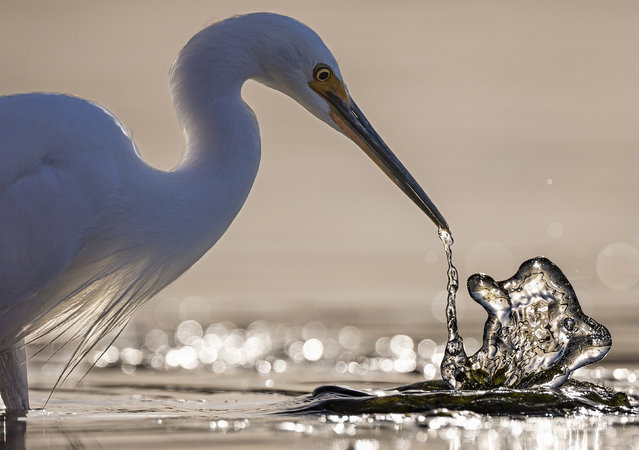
[(350, 119)]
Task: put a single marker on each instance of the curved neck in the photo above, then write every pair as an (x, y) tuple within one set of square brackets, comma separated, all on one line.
[(219, 166), (220, 163), (223, 143), (208, 188)]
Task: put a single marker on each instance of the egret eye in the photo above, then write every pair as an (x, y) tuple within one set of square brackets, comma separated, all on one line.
[(322, 73)]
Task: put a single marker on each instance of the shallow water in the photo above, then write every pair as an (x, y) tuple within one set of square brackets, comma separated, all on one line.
[(337, 386), (263, 395), (167, 410)]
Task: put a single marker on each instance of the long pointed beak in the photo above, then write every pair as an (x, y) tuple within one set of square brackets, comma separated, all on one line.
[(353, 123)]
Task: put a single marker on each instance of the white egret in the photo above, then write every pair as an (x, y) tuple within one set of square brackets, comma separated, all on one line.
[(90, 231)]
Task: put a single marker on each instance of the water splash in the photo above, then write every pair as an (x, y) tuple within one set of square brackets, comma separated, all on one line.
[(536, 333), (454, 362)]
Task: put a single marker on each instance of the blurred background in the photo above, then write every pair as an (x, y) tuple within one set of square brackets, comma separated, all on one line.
[(519, 119)]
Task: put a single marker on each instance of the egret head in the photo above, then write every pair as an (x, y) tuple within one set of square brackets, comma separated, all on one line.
[(295, 61), (288, 56)]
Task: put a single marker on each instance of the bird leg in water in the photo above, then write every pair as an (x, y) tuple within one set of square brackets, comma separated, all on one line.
[(13, 378)]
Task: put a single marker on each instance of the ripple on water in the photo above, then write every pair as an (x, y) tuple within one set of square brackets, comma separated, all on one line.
[(435, 398)]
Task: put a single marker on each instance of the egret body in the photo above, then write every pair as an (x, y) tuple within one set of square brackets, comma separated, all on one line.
[(89, 231)]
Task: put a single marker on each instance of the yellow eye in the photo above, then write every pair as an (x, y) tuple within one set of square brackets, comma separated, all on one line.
[(322, 73)]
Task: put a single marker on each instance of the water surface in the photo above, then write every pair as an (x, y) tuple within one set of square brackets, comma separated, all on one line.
[(266, 395)]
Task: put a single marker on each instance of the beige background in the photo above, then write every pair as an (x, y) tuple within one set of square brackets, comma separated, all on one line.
[(520, 119)]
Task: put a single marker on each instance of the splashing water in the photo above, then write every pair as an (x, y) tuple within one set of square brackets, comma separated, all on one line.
[(536, 333), (454, 363)]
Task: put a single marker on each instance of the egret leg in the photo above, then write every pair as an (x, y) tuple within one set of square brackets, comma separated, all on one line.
[(14, 387)]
